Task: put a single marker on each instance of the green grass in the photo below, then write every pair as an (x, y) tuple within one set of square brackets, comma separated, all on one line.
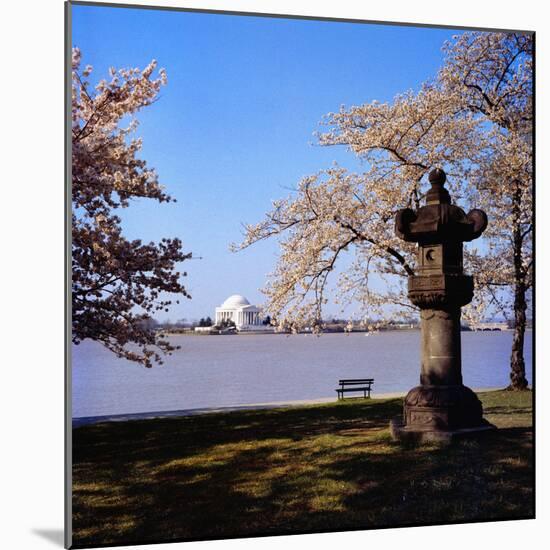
[(312, 468)]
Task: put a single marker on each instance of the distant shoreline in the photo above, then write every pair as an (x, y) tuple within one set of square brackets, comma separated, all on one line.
[(214, 332)]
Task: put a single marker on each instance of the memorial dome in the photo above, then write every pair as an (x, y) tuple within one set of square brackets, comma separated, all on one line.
[(235, 301)]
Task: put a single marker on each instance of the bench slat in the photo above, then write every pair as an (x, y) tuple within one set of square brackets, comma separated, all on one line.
[(354, 380), (361, 385)]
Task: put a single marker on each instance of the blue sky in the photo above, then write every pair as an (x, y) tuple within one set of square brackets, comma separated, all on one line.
[(233, 129)]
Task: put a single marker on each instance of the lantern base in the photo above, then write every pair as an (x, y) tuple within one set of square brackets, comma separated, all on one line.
[(415, 435), (440, 413)]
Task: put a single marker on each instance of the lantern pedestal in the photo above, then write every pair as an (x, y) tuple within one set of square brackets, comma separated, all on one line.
[(440, 414), (441, 408)]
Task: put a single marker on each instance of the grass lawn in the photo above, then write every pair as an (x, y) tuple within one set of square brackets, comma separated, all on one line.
[(279, 471)]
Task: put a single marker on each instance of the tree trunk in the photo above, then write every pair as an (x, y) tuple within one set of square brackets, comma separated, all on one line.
[(518, 381), (517, 361)]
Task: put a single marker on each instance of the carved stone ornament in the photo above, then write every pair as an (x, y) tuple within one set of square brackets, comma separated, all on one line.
[(441, 292), (439, 220)]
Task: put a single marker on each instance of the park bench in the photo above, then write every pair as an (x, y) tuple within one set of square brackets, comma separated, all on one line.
[(355, 385)]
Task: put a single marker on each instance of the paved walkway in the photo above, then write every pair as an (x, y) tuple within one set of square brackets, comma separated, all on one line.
[(82, 421), (193, 412)]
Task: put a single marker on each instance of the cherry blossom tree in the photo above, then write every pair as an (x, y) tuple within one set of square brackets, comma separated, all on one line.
[(493, 75), (116, 283), (473, 120)]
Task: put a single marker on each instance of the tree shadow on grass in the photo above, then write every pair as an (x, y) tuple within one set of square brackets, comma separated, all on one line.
[(489, 477), (164, 437), (284, 471)]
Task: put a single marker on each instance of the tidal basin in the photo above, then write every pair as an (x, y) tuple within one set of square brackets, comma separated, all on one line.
[(226, 371)]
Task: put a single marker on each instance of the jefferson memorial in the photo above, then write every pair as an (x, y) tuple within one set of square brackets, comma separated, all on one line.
[(239, 310)]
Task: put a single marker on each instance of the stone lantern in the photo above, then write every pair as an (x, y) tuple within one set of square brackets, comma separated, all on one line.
[(441, 408)]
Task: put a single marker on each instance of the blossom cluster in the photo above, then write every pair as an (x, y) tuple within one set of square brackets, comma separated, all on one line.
[(116, 283), (474, 120)]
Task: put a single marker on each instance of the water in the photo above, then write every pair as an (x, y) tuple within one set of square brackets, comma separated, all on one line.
[(219, 371)]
